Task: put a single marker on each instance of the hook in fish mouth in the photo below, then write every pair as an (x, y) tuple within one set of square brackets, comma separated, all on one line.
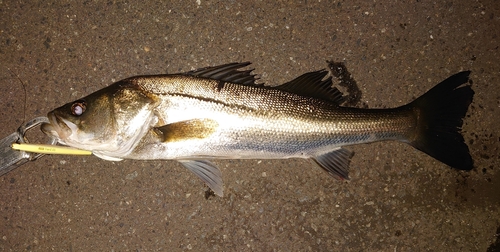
[(58, 127)]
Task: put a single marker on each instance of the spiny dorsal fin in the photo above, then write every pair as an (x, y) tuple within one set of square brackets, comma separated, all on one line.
[(312, 85), (227, 73)]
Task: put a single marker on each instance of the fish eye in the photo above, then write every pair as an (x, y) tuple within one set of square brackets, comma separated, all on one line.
[(78, 107)]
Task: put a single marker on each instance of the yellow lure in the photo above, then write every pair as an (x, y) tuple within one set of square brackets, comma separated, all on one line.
[(49, 149)]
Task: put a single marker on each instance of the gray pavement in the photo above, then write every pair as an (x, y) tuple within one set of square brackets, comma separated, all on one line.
[(398, 199)]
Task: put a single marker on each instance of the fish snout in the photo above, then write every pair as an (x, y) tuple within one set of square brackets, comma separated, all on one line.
[(56, 127)]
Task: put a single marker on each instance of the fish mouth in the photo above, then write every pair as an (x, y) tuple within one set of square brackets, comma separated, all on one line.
[(58, 127)]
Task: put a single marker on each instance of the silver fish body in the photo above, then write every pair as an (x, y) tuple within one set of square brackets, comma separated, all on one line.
[(251, 122), (220, 113)]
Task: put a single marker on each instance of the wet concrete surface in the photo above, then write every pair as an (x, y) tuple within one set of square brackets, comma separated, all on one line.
[(398, 199)]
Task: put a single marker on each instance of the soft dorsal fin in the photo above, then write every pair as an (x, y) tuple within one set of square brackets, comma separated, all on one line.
[(312, 85), (227, 73)]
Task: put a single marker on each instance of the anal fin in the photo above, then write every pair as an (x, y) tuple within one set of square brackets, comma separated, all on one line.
[(207, 172), (336, 163)]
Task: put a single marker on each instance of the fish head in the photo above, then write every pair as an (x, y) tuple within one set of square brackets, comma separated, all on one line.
[(84, 122), (110, 121)]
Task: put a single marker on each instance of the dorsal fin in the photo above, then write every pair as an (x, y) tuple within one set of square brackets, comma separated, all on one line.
[(312, 85), (309, 84), (227, 73)]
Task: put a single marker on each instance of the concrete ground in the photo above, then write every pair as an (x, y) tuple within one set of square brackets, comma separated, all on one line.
[(398, 199)]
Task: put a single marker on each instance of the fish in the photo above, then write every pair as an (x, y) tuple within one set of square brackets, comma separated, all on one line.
[(222, 112)]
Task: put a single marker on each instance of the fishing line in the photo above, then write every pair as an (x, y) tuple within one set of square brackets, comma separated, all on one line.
[(25, 95)]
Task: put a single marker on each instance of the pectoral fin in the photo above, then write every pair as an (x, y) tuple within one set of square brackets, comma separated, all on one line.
[(207, 172), (189, 129), (336, 163)]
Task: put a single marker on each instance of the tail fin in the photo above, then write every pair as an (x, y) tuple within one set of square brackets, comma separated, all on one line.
[(440, 114)]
